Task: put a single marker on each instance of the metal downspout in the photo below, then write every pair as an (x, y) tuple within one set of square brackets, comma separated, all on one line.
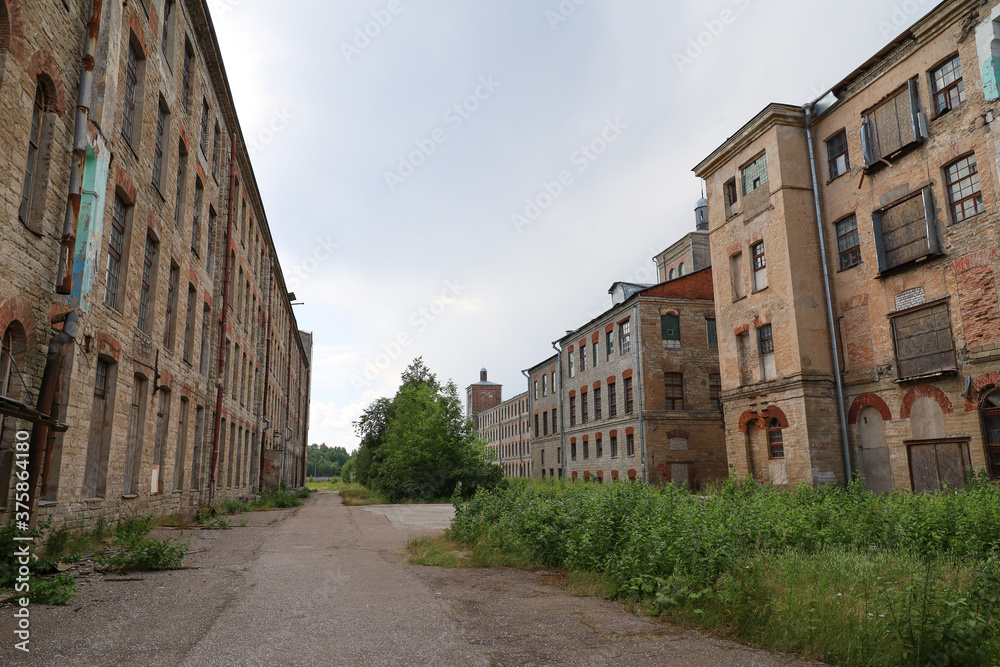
[(638, 388), (562, 437), (223, 325), (64, 281), (829, 301)]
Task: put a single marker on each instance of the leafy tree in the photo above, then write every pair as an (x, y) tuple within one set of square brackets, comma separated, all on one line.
[(326, 461), (426, 446)]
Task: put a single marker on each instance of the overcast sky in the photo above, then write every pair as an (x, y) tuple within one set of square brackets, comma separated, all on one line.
[(464, 181)]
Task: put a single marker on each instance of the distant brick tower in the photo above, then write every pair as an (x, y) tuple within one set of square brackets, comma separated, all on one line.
[(482, 395)]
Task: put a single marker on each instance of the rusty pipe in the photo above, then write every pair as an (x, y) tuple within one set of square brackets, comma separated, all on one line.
[(64, 281)]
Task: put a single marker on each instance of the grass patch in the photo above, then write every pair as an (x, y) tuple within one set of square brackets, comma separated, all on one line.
[(355, 494), (437, 551), (839, 575)]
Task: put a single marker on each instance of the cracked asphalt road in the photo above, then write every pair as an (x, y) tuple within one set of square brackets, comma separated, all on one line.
[(328, 585)]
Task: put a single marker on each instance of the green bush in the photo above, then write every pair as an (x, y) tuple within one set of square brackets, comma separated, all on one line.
[(46, 584), (838, 574), (136, 551)]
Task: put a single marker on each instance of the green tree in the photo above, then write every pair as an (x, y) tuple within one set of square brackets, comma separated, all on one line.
[(427, 445)]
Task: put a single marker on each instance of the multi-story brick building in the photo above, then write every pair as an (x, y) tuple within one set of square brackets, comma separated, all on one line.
[(890, 366), (180, 361), (543, 411), (481, 396), (688, 254), (638, 389), (504, 429)]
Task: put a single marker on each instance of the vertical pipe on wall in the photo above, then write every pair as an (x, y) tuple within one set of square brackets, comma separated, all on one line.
[(829, 301)]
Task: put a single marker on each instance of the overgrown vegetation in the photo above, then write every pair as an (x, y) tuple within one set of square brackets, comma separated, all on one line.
[(132, 549), (420, 445), (46, 584), (841, 575)]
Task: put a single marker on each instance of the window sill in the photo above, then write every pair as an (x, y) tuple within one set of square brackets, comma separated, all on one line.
[(129, 496), (757, 291), (177, 491), (927, 376), (47, 503), (848, 268), (846, 173), (739, 298)]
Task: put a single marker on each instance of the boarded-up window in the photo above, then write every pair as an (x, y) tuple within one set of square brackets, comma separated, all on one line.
[(891, 126), (935, 465), (924, 342), (905, 231), (670, 327), (729, 197)]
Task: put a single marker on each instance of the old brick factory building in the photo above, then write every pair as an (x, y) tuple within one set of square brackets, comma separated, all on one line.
[(855, 245), (149, 342)]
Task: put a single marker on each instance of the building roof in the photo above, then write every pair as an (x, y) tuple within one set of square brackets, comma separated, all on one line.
[(697, 285)]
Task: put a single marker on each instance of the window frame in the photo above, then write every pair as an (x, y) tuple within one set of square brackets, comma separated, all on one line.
[(112, 294), (939, 94), (715, 392), (977, 194), (673, 391), (762, 177), (930, 224), (758, 265), (832, 159), (845, 255), (775, 440), (711, 333), (628, 395)]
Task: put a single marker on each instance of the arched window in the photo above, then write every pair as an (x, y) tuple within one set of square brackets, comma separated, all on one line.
[(681, 270), (32, 179), (673, 274), (775, 440), (990, 413)]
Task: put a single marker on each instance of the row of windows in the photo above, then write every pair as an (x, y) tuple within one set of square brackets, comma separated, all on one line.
[(584, 447), (624, 346), (670, 330)]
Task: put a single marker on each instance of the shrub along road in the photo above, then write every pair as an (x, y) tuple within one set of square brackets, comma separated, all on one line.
[(326, 585)]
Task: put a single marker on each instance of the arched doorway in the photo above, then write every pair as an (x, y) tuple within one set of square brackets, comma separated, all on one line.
[(875, 466), (990, 414)]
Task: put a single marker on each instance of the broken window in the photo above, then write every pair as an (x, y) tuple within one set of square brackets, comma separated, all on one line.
[(729, 197), (572, 365), (837, 159), (848, 242), (598, 448), (946, 82), (754, 174), (759, 266), (614, 446), (145, 292), (572, 410), (766, 347), (891, 126), (112, 277), (923, 339), (962, 183), (132, 91), (905, 231), (35, 169), (674, 390), (629, 444), (743, 357)]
